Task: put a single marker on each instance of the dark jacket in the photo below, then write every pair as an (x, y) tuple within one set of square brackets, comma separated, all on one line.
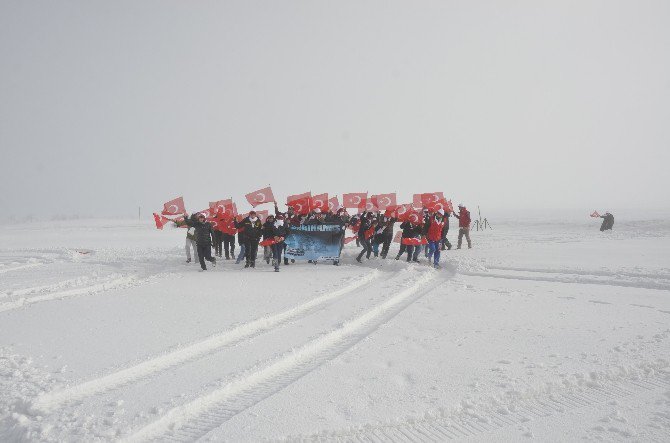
[(608, 222), (268, 229), (366, 224), (252, 230), (280, 231), (411, 231), (203, 231)]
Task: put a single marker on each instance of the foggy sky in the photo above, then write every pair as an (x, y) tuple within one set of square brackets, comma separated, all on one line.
[(107, 106)]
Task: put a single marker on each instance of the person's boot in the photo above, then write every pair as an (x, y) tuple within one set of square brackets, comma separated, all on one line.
[(285, 261), (253, 263), (213, 261), (188, 260), (397, 257), (246, 265)]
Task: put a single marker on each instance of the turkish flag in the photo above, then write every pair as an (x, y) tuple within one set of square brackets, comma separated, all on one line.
[(160, 221), (301, 206), (398, 237), (295, 197), (383, 201), (268, 242), (431, 197), (227, 226), (416, 201), (403, 212), (441, 204), (208, 213), (333, 204), (414, 217), (174, 207), (391, 211), (320, 202), (261, 196), (220, 204), (414, 241), (594, 214), (370, 206), (349, 239), (354, 200)]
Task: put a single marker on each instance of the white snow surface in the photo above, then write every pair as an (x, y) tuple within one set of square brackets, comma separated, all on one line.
[(544, 330)]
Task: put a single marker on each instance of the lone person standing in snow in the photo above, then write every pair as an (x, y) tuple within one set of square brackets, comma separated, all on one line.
[(608, 222), (463, 225)]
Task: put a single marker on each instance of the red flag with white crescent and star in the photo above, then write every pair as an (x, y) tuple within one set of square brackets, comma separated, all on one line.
[(595, 214), (354, 199), (295, 197), (333, 204), (383, 201), (160, 221), (174, 207), (261, 196), (320, 202), (429, 198), (301, 206)]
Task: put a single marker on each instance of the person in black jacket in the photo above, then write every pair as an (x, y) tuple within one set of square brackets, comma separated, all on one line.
[(410, 230), (268, 232), (203, 239), (445, 231), (280, 231), (253, 229), (608, 222), (241, 240), (366, 223)]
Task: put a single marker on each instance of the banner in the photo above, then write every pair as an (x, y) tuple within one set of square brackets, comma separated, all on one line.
[(315, 242)]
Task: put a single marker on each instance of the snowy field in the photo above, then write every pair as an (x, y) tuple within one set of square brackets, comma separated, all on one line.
[(555, 332)]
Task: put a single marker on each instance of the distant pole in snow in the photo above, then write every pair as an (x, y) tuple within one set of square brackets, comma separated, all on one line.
[(139, 213)]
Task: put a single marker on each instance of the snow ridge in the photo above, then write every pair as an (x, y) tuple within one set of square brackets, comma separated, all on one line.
[(52, 400), (193, 420)]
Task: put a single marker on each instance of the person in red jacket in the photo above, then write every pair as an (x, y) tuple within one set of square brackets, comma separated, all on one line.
[(434, 226), (463, 225)]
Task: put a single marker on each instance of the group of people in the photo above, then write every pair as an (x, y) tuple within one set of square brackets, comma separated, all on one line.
[(373, 229)]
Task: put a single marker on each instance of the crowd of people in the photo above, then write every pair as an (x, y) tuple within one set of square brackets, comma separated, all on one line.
[(374, 234)]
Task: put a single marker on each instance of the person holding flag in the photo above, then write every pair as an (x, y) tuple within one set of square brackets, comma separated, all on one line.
[(203, 238), (364, 237), (268, 233), (280, 231), (253, 229), (434, 227), (190, 239)]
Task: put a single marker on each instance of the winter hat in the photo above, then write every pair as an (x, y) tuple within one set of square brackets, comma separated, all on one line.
[(441, 212), (461, 205)]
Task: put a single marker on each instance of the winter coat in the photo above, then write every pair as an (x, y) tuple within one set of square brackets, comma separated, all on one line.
[(252, 229), (410, 231), (203, 231), (268, 228), (608, 222), (463, 218), (280, 231), (364, 226)]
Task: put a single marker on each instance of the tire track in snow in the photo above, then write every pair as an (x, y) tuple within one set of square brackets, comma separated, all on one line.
[(467, 422), (16, 268), (73, 282), (193, 420), (52, 400), (99, 287), (598, 273), (578, 280)]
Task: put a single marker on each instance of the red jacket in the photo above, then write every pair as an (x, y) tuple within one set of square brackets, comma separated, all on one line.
[(435, 229), (463, 218)]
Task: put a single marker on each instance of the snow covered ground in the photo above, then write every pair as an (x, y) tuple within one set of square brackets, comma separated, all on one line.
[(552, 331)]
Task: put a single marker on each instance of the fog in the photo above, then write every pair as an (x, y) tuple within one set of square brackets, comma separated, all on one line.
[(514, 106)]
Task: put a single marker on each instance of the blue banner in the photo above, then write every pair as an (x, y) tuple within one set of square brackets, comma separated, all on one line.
[(315, 242)]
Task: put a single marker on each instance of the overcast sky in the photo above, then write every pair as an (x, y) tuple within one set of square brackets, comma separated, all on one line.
[(107, 106)]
